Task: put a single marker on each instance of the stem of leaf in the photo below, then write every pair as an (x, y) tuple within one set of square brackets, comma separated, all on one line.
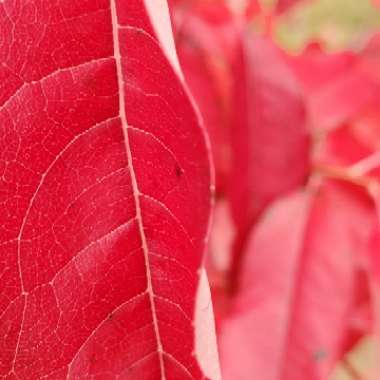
[(366, 165), (351, 175)]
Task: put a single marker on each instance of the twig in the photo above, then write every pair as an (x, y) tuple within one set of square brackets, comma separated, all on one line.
[(366, 165), (355, 174)]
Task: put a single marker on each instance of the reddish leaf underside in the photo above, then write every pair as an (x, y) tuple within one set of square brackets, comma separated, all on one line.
[(205, 49), (285, 5), (374, 255), (253, 8), (354, 145), (270, 140), (336, 86), (315, 68), (104, 196), (297, 290)]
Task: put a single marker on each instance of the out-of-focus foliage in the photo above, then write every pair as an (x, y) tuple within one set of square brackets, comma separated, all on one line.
[(337, 23)]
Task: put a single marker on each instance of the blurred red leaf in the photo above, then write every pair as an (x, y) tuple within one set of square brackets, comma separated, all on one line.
[(206, 47), (283, 6), (355, 145), (270, 138), (315, 68), (374, 256), (253, 8), (355, 142), (337, 86), (211, 11), (370, 58), (341, 99), (374, 246), (249, 8), (299, 287)]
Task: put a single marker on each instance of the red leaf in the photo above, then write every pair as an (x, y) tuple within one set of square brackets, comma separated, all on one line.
[(285, 5), (374, 248), (370, 57), (342, 91), (341, 99), (298, 287), (253, 8), (270, 141), (374, 252), (336, 85), (316, 68), (205, 47), (104, 194), (213, 11), (217, 10), (355, 145)]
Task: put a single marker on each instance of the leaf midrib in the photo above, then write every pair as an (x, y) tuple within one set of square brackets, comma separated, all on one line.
[(135, 188)]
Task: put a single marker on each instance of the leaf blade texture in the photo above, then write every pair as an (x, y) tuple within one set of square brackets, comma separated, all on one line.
[(103, 162)]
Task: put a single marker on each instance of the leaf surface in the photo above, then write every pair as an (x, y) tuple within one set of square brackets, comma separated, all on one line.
[(206, 46), (104, 194), (374, 261), (270, 139), (355, 145), (283, 6), (298, 283), (253, 8), (336, 86)]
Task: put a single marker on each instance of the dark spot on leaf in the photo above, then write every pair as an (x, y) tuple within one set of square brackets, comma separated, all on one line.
[(178, 171)]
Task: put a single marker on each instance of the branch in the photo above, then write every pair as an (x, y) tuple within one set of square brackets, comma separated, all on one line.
[(344, 174), (367, 164)]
